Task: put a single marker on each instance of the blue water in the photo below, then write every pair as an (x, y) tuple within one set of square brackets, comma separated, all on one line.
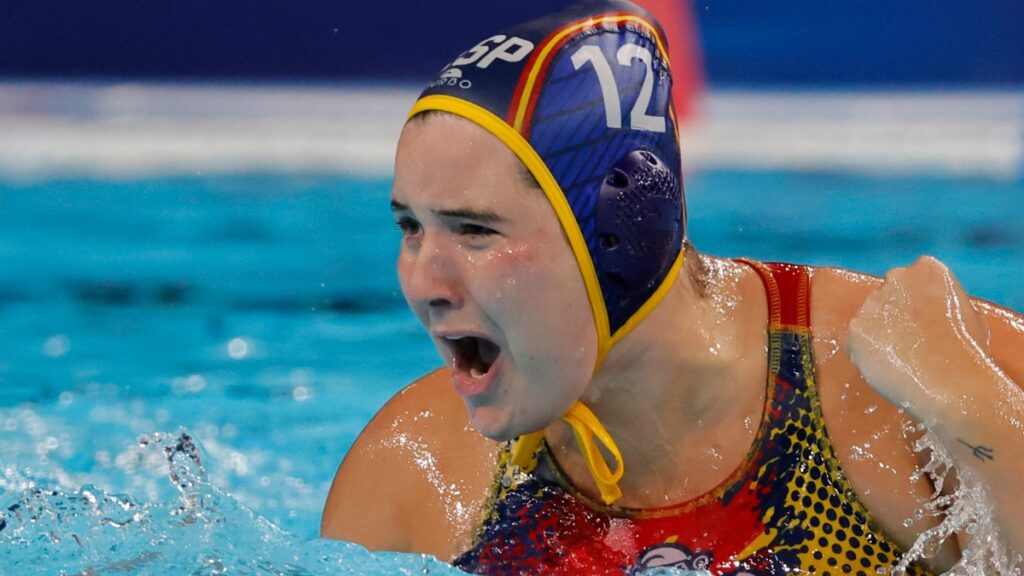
[(258, 317)]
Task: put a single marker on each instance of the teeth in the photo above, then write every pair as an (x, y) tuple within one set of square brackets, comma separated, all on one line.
[(476, 373)]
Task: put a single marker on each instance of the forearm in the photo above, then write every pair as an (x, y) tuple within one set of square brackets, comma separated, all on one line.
[(981, 424), (921, 343)]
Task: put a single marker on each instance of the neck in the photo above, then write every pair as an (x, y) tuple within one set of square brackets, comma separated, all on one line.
[(681, 384)]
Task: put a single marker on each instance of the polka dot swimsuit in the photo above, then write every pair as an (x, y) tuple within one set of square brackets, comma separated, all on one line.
[(787, 509)]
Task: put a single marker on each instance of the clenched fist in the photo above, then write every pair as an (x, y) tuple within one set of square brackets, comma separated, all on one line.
[(915, 336)]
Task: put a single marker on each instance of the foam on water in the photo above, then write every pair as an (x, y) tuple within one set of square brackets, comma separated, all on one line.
[(967, 511), (197, 528), (47, 529)]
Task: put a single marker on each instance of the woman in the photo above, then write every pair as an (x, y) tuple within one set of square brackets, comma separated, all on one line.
[(631, 402)]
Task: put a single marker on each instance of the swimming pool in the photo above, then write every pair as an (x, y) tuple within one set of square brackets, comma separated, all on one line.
[(260, 314)]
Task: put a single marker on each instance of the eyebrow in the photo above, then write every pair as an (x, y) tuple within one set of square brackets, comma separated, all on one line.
[(482, 216)]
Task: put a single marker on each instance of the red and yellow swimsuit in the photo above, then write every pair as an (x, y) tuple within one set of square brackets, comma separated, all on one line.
[(787, 509)]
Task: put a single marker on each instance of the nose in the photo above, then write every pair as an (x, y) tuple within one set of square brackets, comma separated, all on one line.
[(429, 278)]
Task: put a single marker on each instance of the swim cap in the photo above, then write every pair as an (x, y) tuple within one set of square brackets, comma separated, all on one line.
[(583, 98)]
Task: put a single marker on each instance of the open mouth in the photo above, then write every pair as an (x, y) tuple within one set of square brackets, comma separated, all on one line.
[(474, 355)]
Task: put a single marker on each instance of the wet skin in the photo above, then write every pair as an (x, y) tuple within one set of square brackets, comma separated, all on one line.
[(921, 343), (691, 375)]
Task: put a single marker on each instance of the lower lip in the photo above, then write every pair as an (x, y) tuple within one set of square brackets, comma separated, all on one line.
[(469, 387)]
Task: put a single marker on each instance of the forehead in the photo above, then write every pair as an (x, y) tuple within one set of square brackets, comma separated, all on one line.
[(447, 155)]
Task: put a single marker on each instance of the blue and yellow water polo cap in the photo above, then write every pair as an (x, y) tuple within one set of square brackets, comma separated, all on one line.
[(583, 98)]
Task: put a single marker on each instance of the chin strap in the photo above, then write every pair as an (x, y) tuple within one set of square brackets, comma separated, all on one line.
[(586, 426)]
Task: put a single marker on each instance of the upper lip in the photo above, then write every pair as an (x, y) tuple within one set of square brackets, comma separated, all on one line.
[(448, 336), (455, 334)]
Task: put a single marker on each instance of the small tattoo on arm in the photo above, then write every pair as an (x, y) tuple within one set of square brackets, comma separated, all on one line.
[(980, 452)]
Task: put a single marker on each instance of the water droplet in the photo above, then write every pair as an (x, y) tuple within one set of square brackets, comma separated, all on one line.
[(238, 348), (56, 346), (102, 458)]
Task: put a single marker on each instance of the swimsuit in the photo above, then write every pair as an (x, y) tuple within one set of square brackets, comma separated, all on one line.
[(788, 507)]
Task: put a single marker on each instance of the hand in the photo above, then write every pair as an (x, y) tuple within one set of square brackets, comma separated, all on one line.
[(917, 338)]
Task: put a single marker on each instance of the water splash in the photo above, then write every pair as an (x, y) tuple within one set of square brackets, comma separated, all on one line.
[(968, 511), (202, 531)]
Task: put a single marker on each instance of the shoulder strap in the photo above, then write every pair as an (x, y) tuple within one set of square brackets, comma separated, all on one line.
[(789, 294)]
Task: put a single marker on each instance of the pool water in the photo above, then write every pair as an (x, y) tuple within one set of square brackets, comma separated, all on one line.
[(247, 327)]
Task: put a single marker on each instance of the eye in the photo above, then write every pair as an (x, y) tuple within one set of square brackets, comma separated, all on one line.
[(469, 229), (408, 226)]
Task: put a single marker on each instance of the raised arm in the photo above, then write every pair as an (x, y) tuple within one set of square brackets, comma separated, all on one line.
[(954, 364), (415, 479)]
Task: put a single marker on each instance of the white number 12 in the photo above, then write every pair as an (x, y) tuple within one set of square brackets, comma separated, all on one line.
[(639, 119)]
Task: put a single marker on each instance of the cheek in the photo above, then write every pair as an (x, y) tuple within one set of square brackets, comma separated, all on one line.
[(542, 291), (515, 258), (554, 279), (521, 275)]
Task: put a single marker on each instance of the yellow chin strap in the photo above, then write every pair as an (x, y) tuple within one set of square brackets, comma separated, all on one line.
[(586, 426)]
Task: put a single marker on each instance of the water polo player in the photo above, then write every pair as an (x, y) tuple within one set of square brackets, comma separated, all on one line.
[(631, 402)]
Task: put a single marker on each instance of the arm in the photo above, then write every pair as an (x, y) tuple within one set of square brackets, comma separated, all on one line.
[(415, 479), (953, 365)]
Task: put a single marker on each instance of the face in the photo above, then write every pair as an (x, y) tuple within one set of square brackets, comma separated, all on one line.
[(485, 267)]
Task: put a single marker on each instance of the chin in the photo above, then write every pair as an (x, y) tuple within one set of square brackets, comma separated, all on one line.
[(496, 424), (491, 423)]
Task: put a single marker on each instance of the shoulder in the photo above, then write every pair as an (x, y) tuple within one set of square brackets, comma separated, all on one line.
[(416, 477), (837, 294)]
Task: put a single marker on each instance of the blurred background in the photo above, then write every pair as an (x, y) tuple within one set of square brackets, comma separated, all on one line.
[(194, 228), (744, 42), (133, 85)]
